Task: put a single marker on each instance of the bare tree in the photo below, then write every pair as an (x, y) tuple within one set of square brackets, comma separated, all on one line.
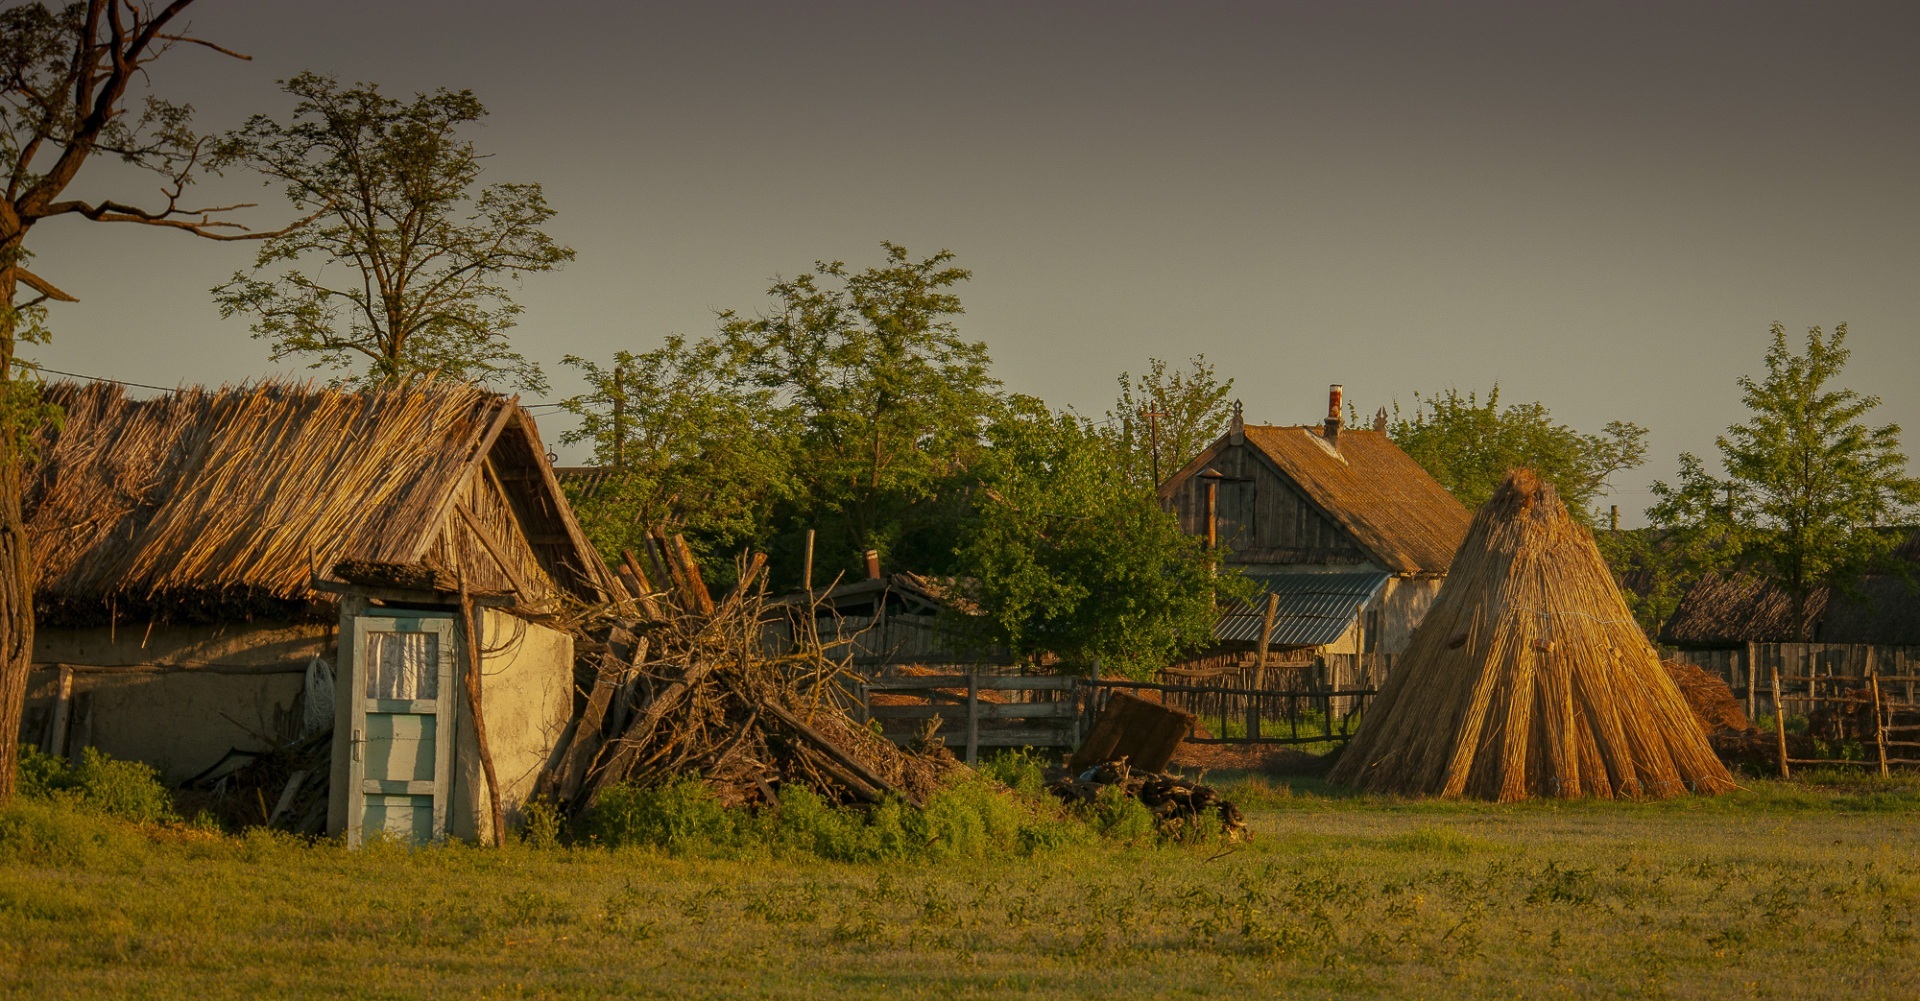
[(65, 76)]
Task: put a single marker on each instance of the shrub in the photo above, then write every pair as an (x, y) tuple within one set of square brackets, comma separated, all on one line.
[(129, 790)]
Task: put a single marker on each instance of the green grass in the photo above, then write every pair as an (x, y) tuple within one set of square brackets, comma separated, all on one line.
[(1779, 890)]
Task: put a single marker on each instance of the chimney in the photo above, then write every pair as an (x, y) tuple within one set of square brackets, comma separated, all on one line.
[(1333, 415), (1380, 420), (873, 564), (1237, 427)]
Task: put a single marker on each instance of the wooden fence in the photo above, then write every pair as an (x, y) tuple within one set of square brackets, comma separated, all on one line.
[(1891, 727), (1057, 710), (1802, 667)]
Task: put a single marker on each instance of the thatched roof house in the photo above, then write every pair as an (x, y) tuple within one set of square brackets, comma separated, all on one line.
[(1530, 678), (1291, 504), (216, 504), (179, 539), (1731, 610)]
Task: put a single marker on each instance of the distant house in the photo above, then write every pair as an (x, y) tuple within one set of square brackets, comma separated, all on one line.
[(1348, 531), (180, 540), (1728, 611)]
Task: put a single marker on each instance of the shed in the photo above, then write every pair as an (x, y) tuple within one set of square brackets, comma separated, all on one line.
[(1352, 534), (179, 539)]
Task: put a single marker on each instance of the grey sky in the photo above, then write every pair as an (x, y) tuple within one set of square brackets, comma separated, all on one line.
[(1598, 206)]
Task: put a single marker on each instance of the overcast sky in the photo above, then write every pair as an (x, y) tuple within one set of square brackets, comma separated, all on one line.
[(1598, 206)]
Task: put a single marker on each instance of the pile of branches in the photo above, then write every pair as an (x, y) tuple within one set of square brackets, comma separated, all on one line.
[(1176, 802), (284, 788), (681, 684)]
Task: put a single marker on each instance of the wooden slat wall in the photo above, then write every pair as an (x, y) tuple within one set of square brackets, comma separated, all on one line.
[(1260, 517)]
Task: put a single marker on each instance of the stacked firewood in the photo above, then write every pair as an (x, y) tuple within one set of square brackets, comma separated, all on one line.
[(683, 684), (1176, 802)]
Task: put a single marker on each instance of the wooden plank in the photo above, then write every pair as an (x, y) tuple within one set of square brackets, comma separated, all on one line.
[(987, 710), (475, 460), (221, 669), (973, 719), (395, 787), (285, 802), (1780, 725), (985, 682)]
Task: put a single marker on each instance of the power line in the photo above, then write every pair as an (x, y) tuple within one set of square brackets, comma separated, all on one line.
[(95, 378)]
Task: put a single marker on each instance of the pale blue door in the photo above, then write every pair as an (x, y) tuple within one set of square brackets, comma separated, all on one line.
[(402, 755)]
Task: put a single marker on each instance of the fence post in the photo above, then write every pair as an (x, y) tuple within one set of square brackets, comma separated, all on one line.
[(1879, 725), (1752, 664), (1780, 721), (973, 718)]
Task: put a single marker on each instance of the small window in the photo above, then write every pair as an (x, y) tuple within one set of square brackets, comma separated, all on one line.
[(403, 665)]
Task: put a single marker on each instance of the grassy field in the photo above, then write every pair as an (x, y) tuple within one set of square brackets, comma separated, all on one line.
[(1778, 891)]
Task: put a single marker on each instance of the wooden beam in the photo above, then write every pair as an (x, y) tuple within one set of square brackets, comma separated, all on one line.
[(499, 557), (481, 448)]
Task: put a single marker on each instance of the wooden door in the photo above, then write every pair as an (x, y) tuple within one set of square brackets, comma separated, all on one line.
[(400, 772)]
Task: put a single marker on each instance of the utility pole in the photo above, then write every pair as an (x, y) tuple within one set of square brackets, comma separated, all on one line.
[(1153, 440), (619, 416)]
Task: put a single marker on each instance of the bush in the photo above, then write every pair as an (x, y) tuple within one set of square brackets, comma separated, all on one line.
[(129, 790), (680, 816)]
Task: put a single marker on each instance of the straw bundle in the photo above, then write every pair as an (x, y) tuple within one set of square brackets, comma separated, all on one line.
[(1529, 678)]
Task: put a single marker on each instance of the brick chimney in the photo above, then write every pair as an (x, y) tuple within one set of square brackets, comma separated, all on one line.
[(1333, 415)]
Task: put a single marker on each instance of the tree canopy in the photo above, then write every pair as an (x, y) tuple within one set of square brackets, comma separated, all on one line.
[(1809, 487), (1166, 416), (1468, 446), (854, 407), (419, 250)]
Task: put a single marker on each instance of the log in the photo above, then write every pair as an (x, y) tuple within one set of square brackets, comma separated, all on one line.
[(614, 767), (834, 751)]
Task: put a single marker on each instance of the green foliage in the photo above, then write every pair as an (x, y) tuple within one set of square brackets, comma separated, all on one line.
[(678, 816), (1066, 555), (422, 251), (1468, 446), (1809, 487), (1165, 418), (1654, 567), (128, 790), (690, 446), (886, 399)]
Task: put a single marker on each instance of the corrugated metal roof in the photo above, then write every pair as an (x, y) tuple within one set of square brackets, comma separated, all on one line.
[(1315, 608)]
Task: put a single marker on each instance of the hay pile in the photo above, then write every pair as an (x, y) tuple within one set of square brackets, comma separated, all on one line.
[(1529, 678), (689, 685), (1709, 697)]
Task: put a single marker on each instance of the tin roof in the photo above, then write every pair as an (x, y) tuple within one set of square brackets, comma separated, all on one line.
[(1315, 608)]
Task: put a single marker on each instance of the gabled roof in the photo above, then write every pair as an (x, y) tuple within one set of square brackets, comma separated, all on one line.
[(1315, 608), (1405, 519), (221, 501)]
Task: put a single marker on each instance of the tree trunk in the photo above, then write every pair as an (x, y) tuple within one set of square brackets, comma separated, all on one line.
[(16, 554), (16, 610)]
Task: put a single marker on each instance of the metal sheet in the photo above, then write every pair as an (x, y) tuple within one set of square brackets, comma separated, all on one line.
[(1315, 608)]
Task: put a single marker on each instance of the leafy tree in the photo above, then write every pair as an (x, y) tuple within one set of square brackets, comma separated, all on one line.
[(688, 445), (887, 400), (1167, 416), (1468, 446), (425, 250), (67, 82), (1067, 554), (1809, 486)]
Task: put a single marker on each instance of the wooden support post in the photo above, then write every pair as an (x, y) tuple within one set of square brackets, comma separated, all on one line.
[(1260, 667), (471, 672), (1780, 723), (81, 733), (1752, 682), (973, 718), (1213, 525), (55, 744), (806, 566), (1879, 721)]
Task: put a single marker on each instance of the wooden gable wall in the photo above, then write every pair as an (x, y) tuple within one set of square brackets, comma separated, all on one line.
[(1261, 516)]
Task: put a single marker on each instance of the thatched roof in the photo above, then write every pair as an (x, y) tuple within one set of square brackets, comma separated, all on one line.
[(206, 504), (1528, 677), (1724, 610), (1405, 520)]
